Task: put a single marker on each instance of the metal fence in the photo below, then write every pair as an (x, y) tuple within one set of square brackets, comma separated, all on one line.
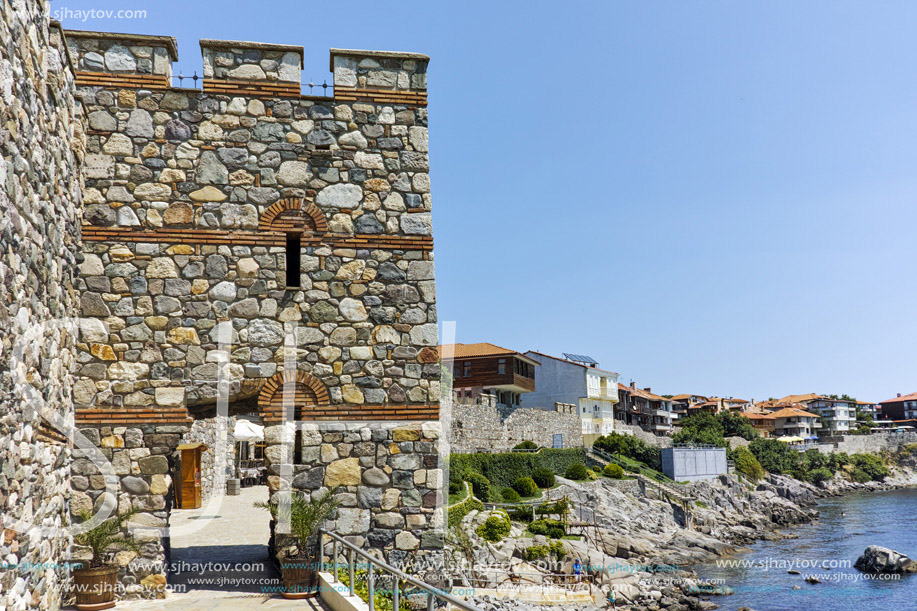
[(374, 565), (311, 89)]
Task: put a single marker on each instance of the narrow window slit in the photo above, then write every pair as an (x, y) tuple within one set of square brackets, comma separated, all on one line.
[(293, 261)]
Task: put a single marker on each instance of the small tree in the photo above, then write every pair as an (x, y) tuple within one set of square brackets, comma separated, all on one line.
[(101, 535), (306, 515)]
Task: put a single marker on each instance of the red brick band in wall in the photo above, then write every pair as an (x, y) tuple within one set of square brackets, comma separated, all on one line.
[(251, 238)]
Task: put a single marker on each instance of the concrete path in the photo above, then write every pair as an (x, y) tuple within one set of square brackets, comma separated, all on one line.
[(220, 560)]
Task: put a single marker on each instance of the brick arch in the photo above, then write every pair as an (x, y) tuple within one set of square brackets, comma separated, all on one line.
[(309, 393), (292, 215)]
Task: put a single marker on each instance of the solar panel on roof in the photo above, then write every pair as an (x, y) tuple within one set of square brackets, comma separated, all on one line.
[(580, 358)]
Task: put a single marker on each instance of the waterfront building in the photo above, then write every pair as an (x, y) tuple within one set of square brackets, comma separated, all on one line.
[(488, 369), (562, 380)]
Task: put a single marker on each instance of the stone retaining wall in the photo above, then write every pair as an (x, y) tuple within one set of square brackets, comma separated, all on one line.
[(42, 146), (854, 444), (483, 425)]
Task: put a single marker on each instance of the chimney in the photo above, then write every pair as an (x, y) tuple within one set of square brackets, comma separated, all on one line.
[(648, 389), (899, 394), (634, 385)]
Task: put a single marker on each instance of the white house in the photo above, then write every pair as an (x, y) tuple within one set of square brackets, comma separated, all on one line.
[(561, 380)]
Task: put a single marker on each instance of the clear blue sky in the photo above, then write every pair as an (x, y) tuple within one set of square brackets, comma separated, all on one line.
[(707, 197)]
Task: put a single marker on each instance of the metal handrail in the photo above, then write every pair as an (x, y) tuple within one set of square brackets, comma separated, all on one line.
[(432, 592)]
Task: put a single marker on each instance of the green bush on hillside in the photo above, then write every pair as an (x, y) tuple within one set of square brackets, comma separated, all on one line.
[(509, 495), (553, 529), (747, 464), (526, 445), (631, 447), (495, 528), (544, 477), (503, 469), (577, 472), (525, 486), (480, 485), (613, 471)]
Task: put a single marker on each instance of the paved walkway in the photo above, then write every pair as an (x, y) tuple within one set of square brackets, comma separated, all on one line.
[(220, 560)]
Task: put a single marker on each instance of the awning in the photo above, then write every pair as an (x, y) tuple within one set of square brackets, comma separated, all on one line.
[(792, 439), (248, 431)]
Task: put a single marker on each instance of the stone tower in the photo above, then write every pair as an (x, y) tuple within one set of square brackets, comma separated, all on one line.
[(280, 240)]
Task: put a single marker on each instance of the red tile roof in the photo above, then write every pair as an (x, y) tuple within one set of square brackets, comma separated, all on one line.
[(792, 412), (910, 397), (467, 351)]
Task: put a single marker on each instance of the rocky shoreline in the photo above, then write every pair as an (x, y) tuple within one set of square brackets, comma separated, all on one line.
[(644, 546)]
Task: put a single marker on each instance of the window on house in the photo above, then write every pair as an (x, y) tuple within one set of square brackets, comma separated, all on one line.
[(293, 261), (501, 367), (457, 371), (467, 369)]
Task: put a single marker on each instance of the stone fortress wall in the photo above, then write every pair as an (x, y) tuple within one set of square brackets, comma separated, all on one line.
[(481, 425), (42, 150), (196, 200)]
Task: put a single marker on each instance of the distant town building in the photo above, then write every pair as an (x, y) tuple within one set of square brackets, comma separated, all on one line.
[(652, 413), (763, 423), (868, 409), (838, 415), (483, 368), (795, 422), (902, 407), (562, 380)]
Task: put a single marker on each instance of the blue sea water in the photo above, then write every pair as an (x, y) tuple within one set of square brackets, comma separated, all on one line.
[(827, 549)]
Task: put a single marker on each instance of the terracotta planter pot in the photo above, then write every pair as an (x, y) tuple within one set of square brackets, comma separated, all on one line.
[(299, 579), (95, 588)]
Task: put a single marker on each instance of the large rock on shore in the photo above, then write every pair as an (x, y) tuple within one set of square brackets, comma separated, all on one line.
[(878, 559)]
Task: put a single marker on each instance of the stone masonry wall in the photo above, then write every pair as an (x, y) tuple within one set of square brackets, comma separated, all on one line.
[(482, 425), (194, 201), (142, 459), (390, 484), (210, 432), (185, 160), (41, 143)]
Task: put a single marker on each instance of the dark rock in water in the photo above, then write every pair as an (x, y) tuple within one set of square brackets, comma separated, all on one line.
[(878, 559), (812, 579), (793, 572)]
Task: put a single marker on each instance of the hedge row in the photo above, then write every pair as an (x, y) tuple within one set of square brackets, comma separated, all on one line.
[(504, 469)]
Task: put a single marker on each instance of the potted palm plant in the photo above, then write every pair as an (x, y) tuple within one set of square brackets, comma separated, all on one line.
[(94, 585), (299, 565)]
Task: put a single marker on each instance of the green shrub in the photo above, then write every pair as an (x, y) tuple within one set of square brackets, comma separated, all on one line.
[(509, 495), (525, 486), (549, 528), (455, 488), (537, 552), (747, 464), (821, 474), (775, 456), (871, 465), (631, 447), (543, 477), (458, 512), (480, 485), (613, 471), (494, 528), (503, 469), (526, 445), (860, 476), (577, 472), (591, 475), (559, 507)]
